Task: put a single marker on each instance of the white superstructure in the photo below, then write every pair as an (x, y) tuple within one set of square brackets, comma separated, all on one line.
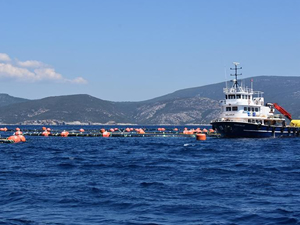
[(242, 104)]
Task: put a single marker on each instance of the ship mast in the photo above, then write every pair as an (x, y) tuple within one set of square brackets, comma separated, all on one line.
[(235, 81)]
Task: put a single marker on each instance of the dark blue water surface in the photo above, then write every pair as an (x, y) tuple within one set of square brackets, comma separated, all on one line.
[(154, 180)]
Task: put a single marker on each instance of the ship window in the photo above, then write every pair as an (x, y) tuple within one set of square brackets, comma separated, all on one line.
[(252, 109), (248, 96), (234, 108), (245, 108), (256, 109), (238, 96), (231, 96), (226, 96), (228, 108), (248, 108)]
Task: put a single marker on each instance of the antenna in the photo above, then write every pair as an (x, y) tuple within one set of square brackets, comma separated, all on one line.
[(235, 81), (225, 76)]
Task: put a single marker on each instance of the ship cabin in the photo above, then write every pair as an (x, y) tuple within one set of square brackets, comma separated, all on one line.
[(245, 105)]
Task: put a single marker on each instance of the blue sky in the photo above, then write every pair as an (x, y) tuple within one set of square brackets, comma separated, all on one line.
[(133, 50)]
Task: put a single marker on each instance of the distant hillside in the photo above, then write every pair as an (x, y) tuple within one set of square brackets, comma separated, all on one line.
[(282, 90), (193, 110), (83, 108), (197, 105), (6, 99)]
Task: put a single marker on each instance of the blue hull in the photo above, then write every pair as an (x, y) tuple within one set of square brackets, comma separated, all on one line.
[(247, 130)]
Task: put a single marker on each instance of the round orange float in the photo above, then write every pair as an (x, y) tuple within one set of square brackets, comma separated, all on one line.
[(22, 138), (106, 134), (201, 137), (14, 138), (64, 134)]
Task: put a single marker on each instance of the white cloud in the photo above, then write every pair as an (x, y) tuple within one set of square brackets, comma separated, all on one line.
[(32, 71), (79, 80), (47, 74), (4, 57), (10, 71), (31, 64)]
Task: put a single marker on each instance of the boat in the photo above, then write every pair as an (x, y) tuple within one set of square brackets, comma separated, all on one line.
[(244, 114)]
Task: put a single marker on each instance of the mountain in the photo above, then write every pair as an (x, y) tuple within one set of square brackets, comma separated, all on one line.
[(198, 105), (6, 99)]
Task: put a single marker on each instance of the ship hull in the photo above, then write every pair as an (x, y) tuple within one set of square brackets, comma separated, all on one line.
[(246, 130)]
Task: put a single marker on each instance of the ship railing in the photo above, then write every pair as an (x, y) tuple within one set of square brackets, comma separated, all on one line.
[(276, 116), (238, 89), (259, 94), (229, 120)]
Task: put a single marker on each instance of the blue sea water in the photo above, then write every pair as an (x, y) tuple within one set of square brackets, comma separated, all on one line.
[(153, 180)]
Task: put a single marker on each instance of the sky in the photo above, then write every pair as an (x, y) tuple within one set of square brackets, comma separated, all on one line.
[(135, 50)]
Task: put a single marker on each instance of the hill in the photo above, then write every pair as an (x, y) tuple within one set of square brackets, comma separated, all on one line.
[(6, 99), (198, 105), (81, 108)]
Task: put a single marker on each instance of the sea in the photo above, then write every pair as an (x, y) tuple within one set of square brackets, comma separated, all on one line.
[(149, 180)]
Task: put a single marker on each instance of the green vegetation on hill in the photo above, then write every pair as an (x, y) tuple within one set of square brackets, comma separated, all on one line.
[(6, 99)]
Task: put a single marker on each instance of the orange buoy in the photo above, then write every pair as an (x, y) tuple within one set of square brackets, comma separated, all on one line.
[(45, 133), (127, 129), (201, 137), (211, 130), (198, 130), (204, 130), (18, 132), (5, 129), (14, 138), (106, 134), (116, 129), (102, 130), (17, 128), (141, 131), (44, 128), (81, 130), (48, 129), (22, 138), (64, 134), (112, 130), (188, 132), (175, 129)]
